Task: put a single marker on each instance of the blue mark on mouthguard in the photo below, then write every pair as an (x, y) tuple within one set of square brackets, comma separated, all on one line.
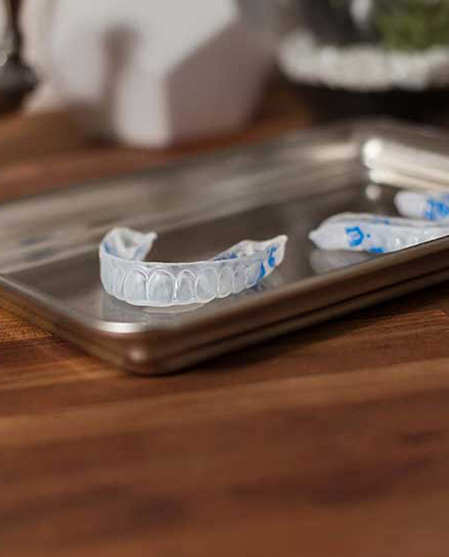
[(271, 258), (355, 235), (436, 209)]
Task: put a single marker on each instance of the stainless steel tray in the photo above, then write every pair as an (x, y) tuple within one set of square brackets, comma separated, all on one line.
[(50, 273)]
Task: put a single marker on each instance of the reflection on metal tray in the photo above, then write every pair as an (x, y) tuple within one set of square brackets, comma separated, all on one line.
[(49, 265)]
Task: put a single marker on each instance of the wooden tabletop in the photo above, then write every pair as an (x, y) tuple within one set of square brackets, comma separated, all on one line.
[(330, 442)]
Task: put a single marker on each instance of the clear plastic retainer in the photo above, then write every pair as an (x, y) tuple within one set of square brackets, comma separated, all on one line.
[(374, 233), (127, 277)]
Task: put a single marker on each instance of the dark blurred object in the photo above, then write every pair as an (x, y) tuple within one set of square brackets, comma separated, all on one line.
[(17, 79), (430, 106), (339, 21)]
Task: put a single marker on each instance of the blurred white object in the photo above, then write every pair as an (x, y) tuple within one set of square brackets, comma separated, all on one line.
[(156, 72), (361, 67), (423, 206)]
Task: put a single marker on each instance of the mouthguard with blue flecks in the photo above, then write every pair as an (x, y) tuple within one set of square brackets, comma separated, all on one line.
[(125, 274), (434, 207), (374, 234)]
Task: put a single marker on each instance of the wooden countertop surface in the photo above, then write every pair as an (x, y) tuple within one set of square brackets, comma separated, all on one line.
[(330, 442)]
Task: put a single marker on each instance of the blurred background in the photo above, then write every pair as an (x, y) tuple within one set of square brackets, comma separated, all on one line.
[(166, 72), (169, 75)]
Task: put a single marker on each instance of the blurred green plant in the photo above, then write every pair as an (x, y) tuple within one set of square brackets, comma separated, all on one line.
[(406, 24), (412, 24)]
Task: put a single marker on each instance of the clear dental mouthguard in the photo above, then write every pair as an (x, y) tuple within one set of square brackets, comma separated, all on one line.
[(126, 276), (432, 207), (373, 233)]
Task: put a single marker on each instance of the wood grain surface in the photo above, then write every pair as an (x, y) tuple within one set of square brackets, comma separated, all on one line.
[(330, 442)]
